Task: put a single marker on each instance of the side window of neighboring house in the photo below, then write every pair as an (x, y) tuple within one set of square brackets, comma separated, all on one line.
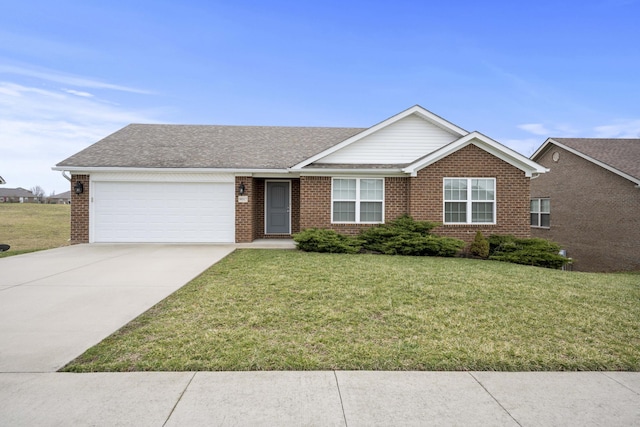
[(358, 200), (541, 213), (469, 201)]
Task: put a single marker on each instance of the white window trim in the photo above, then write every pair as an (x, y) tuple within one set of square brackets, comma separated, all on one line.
[(470, 202), (357, 200), (539, 212)]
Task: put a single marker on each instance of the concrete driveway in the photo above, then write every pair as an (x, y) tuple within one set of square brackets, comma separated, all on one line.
[(55, 304)]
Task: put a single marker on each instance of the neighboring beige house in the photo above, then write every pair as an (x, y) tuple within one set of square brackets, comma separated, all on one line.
[(181, 183), (589, 202), (17, 195)]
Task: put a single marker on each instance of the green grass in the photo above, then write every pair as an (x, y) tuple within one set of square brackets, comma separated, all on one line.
[(289, 310), (29, 227)]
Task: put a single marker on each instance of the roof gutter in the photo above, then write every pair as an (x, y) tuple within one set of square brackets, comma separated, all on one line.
[(88, 169)]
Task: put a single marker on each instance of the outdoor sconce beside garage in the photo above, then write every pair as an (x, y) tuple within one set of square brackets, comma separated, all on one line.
[(78, 188), (241, 197)]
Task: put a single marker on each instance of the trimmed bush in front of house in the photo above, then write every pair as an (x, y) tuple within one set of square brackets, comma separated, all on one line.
[(403, 236), (535, 251), (480, 246), (322, 240)]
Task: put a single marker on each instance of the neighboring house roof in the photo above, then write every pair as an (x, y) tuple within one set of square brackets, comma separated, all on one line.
[(15, 192), (402, 144), (65, 195), (620, 156), (203, 146)]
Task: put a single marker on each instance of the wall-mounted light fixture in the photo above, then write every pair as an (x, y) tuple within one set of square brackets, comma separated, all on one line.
[(78, 188), (241, 189)]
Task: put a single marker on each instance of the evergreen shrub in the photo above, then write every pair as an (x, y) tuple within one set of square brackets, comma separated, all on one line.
[(533, 251)]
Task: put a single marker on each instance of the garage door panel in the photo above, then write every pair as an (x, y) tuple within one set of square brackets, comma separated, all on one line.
[(163, 212)]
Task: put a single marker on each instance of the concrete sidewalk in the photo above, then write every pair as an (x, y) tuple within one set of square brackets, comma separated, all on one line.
[(341, 398)]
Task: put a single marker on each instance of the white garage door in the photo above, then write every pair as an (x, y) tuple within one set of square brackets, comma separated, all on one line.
[(178, 212)]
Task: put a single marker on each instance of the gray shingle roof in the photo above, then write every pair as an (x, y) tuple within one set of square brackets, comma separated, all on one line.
[(202, 146), (65, 195), (621, 154), (15, 192)]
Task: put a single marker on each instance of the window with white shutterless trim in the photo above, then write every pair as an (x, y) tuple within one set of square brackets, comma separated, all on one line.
[(357, 200), (469, 200)]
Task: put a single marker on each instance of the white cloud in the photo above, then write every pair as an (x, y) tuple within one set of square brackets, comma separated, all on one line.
[(534, 128), (40, 128), (79, 93), (622, 128), (67, 79), (619, 128)]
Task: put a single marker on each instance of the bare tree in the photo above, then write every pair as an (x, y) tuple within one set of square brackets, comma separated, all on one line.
[(38, 192)]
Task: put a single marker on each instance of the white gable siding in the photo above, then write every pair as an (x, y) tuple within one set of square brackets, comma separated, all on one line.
[(401, 142)]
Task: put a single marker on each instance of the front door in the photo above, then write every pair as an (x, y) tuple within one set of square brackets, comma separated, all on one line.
[(277, 209)]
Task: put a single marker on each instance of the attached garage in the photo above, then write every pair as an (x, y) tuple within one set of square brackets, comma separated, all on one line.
[(162, 209)]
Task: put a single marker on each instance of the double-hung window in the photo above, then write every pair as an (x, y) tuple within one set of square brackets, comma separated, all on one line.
[(469, 201), (541, 213), (358, 200)]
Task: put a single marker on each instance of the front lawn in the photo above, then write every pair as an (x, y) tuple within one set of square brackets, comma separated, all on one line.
[(290, 310)]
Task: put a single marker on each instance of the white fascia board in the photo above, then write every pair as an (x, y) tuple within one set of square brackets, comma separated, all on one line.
[(344, 172), (588, 158), (529, 167), (416, 109)]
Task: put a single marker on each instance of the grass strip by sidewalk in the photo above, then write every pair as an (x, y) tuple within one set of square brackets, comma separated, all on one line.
[(289, 310)]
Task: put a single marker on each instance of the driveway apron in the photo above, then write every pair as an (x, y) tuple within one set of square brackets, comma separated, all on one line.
[(55, 304)]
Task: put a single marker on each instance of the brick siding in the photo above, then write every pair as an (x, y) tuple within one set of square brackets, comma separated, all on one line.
[(245, 212), (512, 193), (80, 211), (594, 212)]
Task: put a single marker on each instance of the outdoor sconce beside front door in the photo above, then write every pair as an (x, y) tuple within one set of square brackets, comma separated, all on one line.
[(241, 189), (78, 188)]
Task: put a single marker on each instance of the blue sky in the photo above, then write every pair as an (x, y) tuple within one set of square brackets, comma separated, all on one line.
[(72, 72)]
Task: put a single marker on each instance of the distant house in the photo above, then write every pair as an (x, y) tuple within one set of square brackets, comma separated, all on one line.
[(589, 202), (17, 195), (60, 199)]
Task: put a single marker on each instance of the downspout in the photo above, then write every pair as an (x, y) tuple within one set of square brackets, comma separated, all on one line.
[(68, 178)]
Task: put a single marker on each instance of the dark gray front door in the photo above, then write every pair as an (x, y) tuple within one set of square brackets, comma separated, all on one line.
[(277, 214)]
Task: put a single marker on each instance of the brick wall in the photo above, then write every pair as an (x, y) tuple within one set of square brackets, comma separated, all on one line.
[(245, 212), (315, 203), (512, 193), (80, 211), (258, 209), (594, 212)]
